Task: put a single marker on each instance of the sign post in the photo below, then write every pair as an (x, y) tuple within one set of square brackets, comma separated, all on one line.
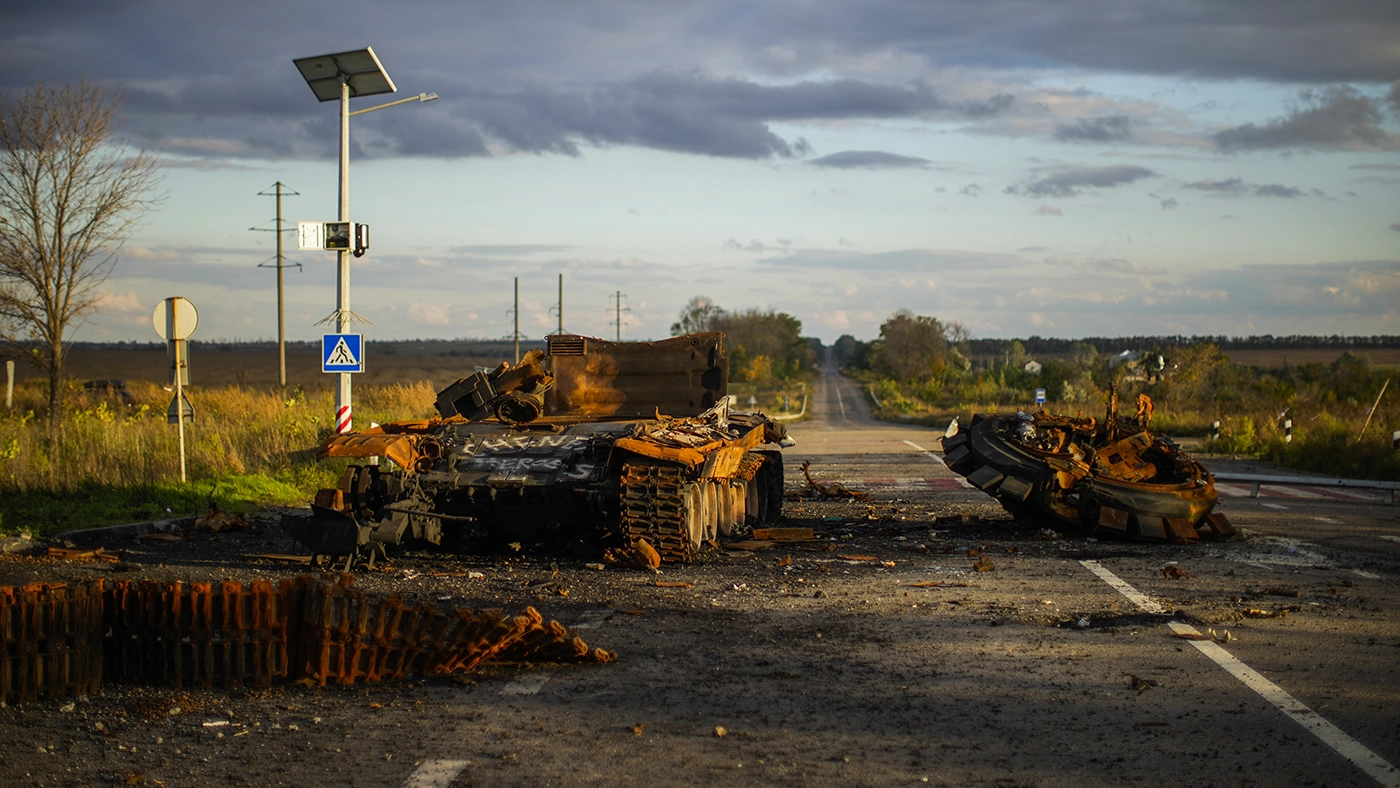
[(1040, 396), (175, 319)]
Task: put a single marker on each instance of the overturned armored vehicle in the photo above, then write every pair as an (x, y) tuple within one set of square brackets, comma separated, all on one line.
[(1109, 477), (590, 443)]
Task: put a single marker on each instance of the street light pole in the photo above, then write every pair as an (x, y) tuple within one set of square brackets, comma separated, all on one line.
[(343, 411), (342, 75)]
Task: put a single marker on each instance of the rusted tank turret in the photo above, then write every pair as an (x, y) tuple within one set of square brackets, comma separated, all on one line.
[(1111, 476)]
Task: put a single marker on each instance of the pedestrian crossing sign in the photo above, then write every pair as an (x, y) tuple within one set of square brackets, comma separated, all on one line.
[(342, 353)]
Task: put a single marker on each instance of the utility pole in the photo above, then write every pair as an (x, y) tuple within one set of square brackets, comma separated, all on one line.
[(516, 310), (618, 309), (561, 304), (281, 314)]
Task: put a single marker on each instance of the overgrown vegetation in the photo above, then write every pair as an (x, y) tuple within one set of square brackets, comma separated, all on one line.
[(922, 370), (108, 461)]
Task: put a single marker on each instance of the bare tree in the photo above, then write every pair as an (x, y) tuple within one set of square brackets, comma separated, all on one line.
[(71, 191)]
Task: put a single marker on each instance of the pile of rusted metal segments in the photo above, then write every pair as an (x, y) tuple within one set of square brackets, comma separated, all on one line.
[(61, 641)]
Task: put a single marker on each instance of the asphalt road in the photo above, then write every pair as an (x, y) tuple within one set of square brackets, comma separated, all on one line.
[(908, 669)]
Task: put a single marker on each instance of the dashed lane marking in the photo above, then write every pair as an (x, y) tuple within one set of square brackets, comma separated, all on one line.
[(435, 774), (527, 685), (1364, 759), (1274, 505), (1328, 520), (1391, 538)]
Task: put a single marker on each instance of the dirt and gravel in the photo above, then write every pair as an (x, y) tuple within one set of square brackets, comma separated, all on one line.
[(874, 655)]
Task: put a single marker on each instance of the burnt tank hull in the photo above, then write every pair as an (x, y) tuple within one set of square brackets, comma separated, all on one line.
[(632, 442)]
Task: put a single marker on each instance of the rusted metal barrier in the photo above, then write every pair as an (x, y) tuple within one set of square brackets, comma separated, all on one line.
[(51, 636), (60, 641)]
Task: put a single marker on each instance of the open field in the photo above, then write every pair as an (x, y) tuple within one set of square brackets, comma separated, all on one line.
[(255, 366)]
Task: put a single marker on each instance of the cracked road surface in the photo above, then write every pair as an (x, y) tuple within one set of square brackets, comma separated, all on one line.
[(830, 669)]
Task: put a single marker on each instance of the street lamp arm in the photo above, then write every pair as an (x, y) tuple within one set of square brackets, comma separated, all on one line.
[(419, 97)]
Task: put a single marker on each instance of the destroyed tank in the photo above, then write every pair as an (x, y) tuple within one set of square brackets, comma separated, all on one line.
[(1109, 477), (591, 443)]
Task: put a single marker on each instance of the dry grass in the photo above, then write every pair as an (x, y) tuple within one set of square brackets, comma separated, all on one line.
[(102, 442)]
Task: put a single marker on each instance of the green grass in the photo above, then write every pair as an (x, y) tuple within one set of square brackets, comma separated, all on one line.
[(44, 513)]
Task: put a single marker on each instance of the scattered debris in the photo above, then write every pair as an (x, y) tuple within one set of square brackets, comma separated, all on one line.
[(74, 554), (858, 557), (595, 567), (1082, 623), (784, 561), (749, 545), (17, 544), (219, 520), (938, 584), (1255, 612), (164, 537), (1141, 684), (672, 584), (1174, 572), (785, 534), (983, 564), (294, 559), (721, 731), (639, 729), (1191, 636), (832, 490), (1223, 636), (1047, 534)]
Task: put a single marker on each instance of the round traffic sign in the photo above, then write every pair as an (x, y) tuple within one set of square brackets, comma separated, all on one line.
[(175, 318)]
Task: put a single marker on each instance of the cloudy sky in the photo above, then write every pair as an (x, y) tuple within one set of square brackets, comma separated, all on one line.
[(1067, 168)]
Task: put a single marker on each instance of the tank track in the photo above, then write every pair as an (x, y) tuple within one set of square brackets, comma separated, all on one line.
[(653, 508)]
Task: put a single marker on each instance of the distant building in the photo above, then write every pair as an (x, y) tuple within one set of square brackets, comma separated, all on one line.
[(1032, 367)]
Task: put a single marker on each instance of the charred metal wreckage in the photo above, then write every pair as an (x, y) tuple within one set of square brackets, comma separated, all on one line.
[(1111, 476), (594, 442)]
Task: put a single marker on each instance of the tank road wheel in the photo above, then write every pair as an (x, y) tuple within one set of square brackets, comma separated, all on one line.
[(652, 504), (751, 502), (740, 491), (734, 508), (695, 514)]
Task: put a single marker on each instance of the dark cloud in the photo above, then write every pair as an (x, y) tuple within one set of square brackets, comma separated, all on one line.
[(1237, 186), (1073, 180), (1335, 117), (1230, 186), (971, 190), (869, 160), (1169, 204), (1277, 190), (1109, 128), (915, 261)]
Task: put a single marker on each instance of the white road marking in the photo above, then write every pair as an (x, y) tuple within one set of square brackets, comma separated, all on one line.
[(1367, 761), (1135, 596), (591, 619), (964, 483), (435, 774), (1327, 520), (841, 403), (1391, 538), (1365, 574), (527, 685), (1274, 505)]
